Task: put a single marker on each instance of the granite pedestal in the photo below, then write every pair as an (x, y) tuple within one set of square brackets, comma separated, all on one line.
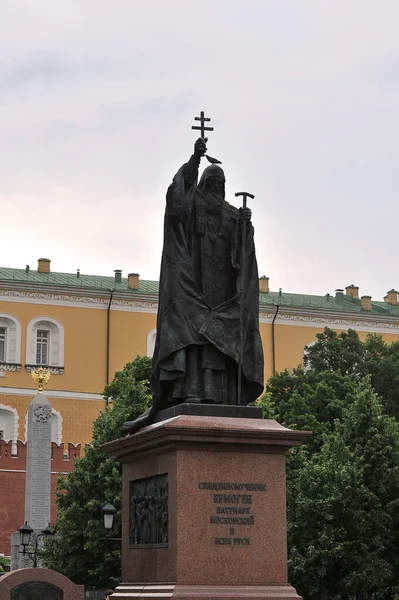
[(204, 508)]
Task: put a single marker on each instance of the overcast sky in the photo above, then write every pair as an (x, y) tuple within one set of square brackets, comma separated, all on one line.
[(97, 99)]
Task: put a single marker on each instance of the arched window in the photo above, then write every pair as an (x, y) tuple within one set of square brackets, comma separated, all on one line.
[(10, 342), (151, 337), (45, 344), (56, 426), (9, 425)]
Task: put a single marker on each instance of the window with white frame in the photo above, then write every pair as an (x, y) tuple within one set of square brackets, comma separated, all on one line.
[(10, 339), (45, 342), (42, 344), (9, 425), (151, 338), (3, 338)]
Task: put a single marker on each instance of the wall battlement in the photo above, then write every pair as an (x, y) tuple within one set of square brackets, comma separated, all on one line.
[(13, 456)]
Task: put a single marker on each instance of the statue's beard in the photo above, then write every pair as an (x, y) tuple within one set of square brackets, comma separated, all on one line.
[(214, 201)]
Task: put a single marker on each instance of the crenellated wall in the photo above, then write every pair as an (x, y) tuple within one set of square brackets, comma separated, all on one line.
[(61, 459)]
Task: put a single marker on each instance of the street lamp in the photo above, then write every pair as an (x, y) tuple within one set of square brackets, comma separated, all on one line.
[(25, 534), (108, 512)]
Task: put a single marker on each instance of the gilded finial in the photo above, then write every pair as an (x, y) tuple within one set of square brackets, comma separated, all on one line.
[(41, 377)]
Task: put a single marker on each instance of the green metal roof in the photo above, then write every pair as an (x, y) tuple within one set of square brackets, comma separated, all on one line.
[(338, 303), (69, 280)]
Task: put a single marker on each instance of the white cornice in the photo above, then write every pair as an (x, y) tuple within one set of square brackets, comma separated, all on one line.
[(334, 320), (24, 471), (143, 304), (50, 393)]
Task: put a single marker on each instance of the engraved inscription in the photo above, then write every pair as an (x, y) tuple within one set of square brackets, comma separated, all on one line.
[(39, 469), (234, 507), (149, 512)]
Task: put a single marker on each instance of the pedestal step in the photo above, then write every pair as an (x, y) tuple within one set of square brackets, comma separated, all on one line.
[(125, 591)]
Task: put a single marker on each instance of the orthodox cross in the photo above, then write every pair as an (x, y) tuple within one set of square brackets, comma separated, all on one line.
[(202, 118)]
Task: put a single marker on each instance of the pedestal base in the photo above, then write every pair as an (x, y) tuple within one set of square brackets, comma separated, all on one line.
[(205, 592), (203, 509)]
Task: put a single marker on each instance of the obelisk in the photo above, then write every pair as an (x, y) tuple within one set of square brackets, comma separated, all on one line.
[(38, 458), (38, 466)]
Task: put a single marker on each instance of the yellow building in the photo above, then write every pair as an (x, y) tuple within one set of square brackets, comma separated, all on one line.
[(84, 328)]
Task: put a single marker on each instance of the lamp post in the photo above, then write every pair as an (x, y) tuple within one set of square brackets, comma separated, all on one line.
[(108, 513), (25, 535)]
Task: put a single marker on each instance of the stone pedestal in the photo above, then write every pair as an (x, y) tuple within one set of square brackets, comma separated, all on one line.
[(204, 509)]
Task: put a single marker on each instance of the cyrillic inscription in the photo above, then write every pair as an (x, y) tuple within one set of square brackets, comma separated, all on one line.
[(233, 509)]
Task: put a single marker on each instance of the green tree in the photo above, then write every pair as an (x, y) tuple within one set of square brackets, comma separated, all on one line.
[(384, 371), (309, 400), (79, 550), (341, 352), (346, 354), (342, 486), (343, 509), (4, 564)]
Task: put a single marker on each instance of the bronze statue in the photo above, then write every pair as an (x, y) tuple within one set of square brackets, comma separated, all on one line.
[(201, 339)]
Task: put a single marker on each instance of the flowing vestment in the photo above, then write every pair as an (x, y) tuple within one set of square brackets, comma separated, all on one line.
[(197, 347)]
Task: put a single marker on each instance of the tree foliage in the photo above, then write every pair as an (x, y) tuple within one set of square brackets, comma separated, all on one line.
[(343, 509), (79, 550), (346, 354), (343, 485), (4, 564)]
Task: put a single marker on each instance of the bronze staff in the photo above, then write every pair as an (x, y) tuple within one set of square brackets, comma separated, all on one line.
[(242, 283)]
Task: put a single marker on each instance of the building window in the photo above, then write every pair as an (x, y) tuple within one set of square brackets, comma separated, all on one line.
[(45, 344), (42, 343), (9, 426), (10, 341), (151, 338), (3, 333)]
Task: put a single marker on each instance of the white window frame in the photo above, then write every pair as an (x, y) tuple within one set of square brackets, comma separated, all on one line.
[(13, 338), (43, 339), (14, 433), (4, 340), (151, 338), (56, 341)]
